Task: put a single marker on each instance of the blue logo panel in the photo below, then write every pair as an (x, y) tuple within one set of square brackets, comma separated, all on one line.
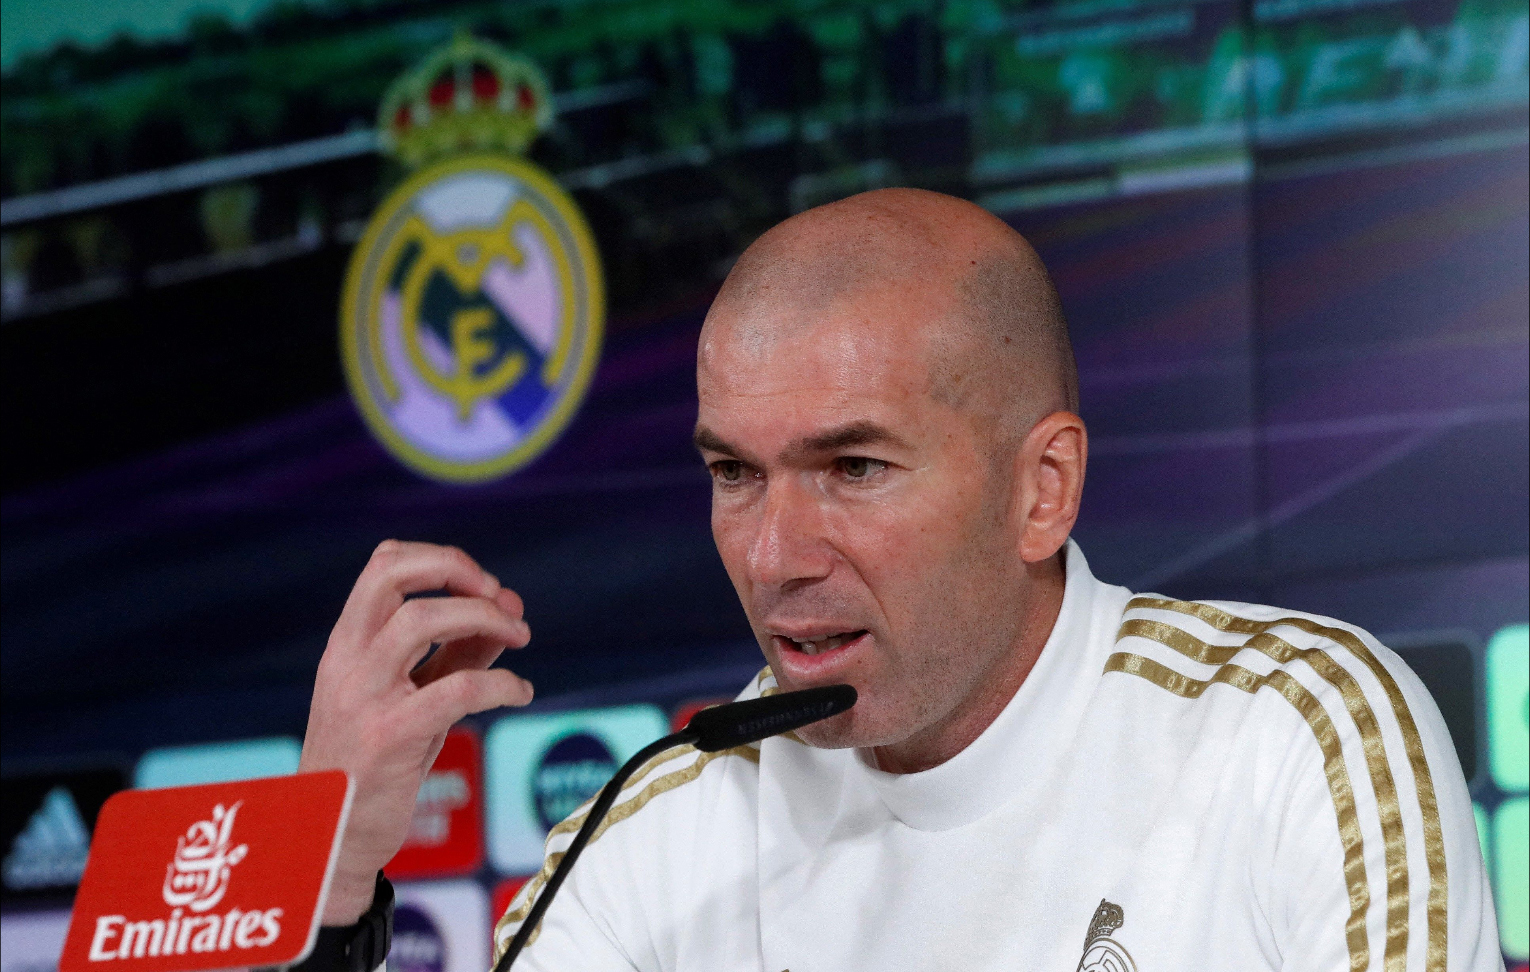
[(1508, 708), (539, 768), (247, 759)]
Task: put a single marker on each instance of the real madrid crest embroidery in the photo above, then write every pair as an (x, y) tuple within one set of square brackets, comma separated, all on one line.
[(1101, 952), (473, 307)]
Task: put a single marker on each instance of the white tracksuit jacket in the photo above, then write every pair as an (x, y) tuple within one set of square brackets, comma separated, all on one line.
[(1176, 787)]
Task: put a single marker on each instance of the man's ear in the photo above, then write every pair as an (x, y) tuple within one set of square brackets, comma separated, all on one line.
[(1050, 482)]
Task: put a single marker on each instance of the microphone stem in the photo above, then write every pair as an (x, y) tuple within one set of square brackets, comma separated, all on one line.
[(597, 813)]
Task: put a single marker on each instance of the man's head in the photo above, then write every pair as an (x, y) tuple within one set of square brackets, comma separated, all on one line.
[(886, 404)]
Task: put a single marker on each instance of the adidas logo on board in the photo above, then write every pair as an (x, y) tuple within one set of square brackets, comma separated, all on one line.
[(50, 851)]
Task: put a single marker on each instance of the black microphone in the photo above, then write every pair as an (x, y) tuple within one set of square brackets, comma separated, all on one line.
[(710, 730), (740, 723)]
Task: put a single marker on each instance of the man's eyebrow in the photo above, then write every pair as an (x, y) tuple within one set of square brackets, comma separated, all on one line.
[(846, 436), (706, 440), (853, 434)]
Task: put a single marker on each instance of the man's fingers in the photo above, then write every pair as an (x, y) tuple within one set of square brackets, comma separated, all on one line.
[(456, 656), (511, 602), (424, 621), (399, 568), (476, 652), (446, 700)]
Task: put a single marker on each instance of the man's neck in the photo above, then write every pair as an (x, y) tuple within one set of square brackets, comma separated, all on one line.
[(993, 691)]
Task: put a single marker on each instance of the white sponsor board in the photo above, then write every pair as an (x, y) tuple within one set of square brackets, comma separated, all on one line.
[(31, 941), (440, 926)]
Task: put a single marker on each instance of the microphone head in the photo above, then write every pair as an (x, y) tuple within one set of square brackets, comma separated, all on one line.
[(738, 723)]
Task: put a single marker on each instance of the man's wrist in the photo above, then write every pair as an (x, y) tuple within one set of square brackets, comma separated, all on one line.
[(359, 946), (349, 898)]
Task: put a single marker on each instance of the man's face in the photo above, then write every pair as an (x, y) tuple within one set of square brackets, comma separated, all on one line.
[(864, 523)]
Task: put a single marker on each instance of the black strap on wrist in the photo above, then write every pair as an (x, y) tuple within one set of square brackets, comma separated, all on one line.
[(361, 947)]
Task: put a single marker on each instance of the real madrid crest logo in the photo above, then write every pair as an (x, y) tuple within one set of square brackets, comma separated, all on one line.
[(473, 307), (1101, 952)]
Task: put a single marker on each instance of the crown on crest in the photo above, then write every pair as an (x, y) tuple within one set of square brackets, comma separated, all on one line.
[(468, 96)]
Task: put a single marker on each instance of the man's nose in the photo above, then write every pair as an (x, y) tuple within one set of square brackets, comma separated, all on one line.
[(789, 545)]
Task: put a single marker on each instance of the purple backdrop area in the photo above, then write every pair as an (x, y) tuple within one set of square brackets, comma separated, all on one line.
[(1309, 390)]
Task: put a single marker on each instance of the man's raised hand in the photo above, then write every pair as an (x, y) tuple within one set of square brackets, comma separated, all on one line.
[(379, 718)]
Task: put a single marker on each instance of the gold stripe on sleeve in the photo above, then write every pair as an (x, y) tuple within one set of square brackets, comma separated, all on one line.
[(620, 812), (1327, 736), (1394, 840), (575, 820), (1434, 840)]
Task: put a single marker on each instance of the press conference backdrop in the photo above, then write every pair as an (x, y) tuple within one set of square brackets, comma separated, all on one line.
[(1290, 236)]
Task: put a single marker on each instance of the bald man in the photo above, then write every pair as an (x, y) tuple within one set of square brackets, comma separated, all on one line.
[(1043, 771)]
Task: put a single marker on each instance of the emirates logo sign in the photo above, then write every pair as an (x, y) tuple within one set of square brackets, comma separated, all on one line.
[(196, 879), (198, 876), (243, 885)]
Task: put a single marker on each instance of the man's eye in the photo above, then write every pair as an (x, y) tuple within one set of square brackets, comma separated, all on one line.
[(859, 467), (729, 470)]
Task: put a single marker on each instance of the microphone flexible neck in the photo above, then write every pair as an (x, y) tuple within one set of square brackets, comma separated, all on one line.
[(710, 730), (602, 806)]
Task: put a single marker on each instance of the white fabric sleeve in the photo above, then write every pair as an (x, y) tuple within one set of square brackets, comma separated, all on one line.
[(1338, 896), (570, 940)]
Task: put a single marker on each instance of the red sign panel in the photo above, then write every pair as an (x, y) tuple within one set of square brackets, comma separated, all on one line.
[(685, 710), (208, 877), (446, 835)]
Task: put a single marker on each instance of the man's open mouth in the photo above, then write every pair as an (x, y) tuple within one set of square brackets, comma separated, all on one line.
[(818, 646)]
